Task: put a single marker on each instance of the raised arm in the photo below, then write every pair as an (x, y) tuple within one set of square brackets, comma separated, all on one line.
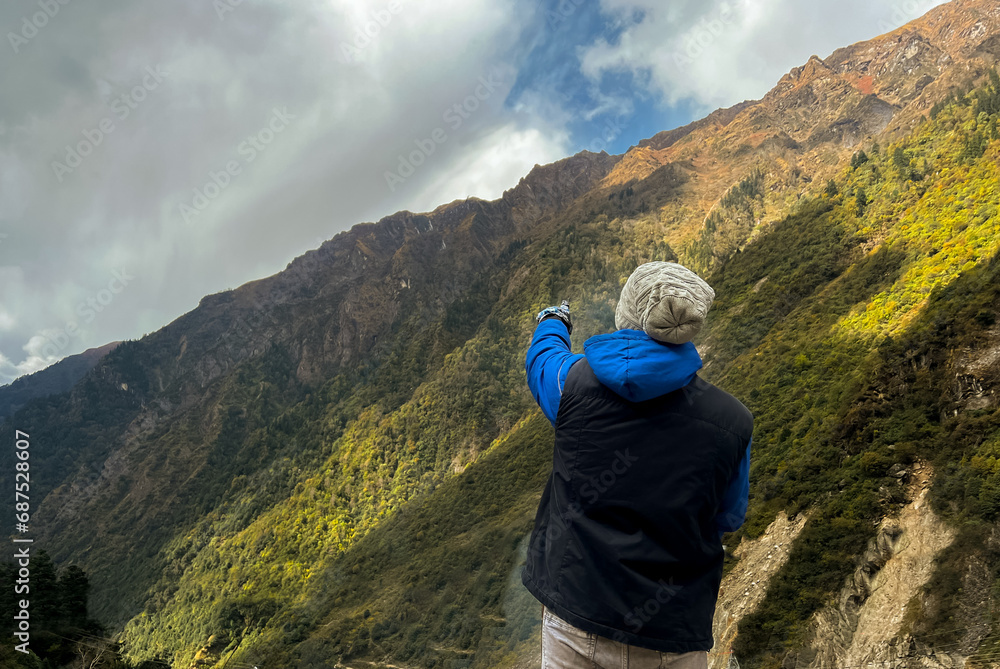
[(547, 364)]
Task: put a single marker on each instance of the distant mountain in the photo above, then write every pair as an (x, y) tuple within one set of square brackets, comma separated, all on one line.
[(56, 378), (339, 464)]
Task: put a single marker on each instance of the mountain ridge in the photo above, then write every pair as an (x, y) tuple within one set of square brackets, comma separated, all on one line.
[(58, 377)]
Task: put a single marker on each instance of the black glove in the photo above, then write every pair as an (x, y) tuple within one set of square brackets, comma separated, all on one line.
[(561, 312)]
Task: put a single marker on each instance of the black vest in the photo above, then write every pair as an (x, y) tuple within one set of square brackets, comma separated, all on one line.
[(625, 543)]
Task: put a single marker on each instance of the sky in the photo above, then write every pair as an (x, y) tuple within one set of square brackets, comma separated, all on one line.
[(155, 152)]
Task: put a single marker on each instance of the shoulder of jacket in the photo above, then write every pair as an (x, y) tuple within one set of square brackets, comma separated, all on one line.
[(724, 400)]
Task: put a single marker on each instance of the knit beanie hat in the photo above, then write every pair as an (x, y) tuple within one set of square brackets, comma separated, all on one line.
[(667, 301)]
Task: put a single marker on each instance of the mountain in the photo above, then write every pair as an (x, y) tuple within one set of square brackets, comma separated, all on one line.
[(340, 463), (56, 378)]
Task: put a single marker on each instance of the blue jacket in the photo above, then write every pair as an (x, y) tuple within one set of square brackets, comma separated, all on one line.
[(637, 368)]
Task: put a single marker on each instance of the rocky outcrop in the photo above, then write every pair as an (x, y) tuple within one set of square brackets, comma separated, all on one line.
[(976, 374), (869, 623), (744, 586)]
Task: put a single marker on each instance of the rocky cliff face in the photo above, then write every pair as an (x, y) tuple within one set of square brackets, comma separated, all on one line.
[(355, 285), (868, 623), (744, 587)]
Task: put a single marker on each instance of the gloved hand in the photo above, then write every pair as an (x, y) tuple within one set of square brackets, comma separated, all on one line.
[(561, 312)]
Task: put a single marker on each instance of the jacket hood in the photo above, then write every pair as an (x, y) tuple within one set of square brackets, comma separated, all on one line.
[(638, 367)]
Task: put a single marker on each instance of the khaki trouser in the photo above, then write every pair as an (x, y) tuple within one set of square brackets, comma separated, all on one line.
[(567, 647)]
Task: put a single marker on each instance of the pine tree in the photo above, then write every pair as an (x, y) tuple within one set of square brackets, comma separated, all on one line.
[(861, 200), (73, 589), (45, 603)]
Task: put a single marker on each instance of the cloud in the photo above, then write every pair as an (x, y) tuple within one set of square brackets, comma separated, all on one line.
[(42, 350), (38, 354), (116, 114)]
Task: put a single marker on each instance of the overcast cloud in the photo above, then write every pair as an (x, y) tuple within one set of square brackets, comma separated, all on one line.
[(154, 152)]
